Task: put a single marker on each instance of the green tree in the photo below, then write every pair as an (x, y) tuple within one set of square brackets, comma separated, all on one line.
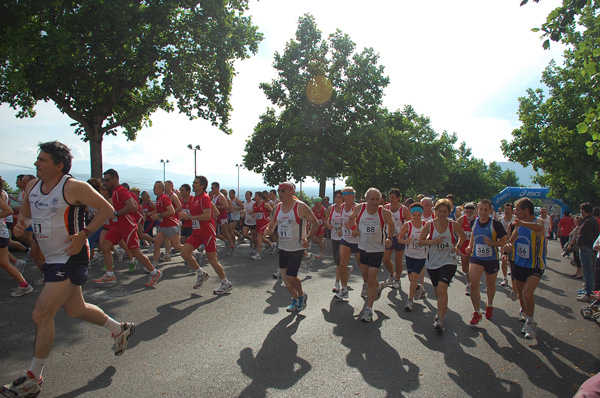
[(109, 65), (326, 98), (576, 24), (548, 139)]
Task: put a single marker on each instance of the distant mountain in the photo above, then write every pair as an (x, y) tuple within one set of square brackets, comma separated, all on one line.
[(525, 174)]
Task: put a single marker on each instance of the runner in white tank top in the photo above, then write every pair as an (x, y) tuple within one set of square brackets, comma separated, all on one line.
[(507, 218), (367, 224), (400, 215), (333, 222), (415, 254), (290, 215), (438, 235)]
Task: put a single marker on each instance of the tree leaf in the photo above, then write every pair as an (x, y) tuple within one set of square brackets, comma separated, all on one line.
[(582, 128)]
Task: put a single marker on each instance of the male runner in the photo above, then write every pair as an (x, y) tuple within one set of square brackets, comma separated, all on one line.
[(319, 212), (400, 214), (169, 225), (54, 207), (507, 218)]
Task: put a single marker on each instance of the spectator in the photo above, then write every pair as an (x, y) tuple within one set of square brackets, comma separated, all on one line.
[(587, 236), (565, 227)]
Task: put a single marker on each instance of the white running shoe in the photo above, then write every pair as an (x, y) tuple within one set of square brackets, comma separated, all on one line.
[(255, 256), (120, 253), (225, 287), (367, 315), (350, 268), (439, 324), (336, 287), (277, 274), (389, 282), (20, 291), (198, 256), (342, 295), (397, 285), (106, 280), (363, 292), (504, 282), (530, 332), (201, 279), (380, 288), (20, 265), (468, 289), (514, 296), (409, 305), (121, 340), (24, 386)]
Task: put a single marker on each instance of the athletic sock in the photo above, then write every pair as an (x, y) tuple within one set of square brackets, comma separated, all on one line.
[(113, 326), (110, 273), (154, 271), (36, 368)]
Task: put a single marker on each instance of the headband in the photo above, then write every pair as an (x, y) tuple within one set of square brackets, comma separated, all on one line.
[(416, 209)]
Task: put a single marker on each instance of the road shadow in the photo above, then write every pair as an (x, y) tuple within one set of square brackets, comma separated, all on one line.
[(100, 382), (279, 297), (380, 365), (277, 364)]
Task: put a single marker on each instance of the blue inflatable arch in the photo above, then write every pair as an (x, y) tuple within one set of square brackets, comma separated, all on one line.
[(510, 193)]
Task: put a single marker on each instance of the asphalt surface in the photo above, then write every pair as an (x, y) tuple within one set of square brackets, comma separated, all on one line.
[(191, 343)]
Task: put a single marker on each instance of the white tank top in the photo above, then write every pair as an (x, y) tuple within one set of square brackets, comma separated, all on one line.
[(249, 218), (235, 214), (291, 228), (335, 219), (398, 217), (346, 233), (413, 250), (370, 230), (439, 255), (3, 229), (53, 220), (505, 223), (7, 199)]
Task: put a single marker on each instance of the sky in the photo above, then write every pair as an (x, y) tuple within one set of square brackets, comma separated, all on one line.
[(461, 63)]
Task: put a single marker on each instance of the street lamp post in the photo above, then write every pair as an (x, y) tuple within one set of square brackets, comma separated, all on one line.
[(194, 148), (164, 162), (238, 167)]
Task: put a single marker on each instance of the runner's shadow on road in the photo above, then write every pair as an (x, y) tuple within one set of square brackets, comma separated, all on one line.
[(168, 315), (380, 365), (100, 382), (279, 297), (563, 377), (276, 364)]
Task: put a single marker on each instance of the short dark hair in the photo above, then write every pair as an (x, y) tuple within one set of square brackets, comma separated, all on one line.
[(567, 213), (112, 173), (450, 196), (486, 202), (214, 183), (395, 191), (587, 207), (126, 186), (526, 203), (596, 211), (509, 204), (204, 181), (95, 183), (59, 152), (186, 187), (416, 204)]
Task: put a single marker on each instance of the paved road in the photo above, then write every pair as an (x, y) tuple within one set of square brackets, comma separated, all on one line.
[(190, 343)]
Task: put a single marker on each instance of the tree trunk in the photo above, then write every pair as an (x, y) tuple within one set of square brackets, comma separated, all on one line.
[(322, 185), (95, 138)]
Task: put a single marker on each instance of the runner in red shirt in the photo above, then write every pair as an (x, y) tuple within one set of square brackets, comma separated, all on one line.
[(319, 212), (124, 227), (261, 211), (203, 233), (169, 225)]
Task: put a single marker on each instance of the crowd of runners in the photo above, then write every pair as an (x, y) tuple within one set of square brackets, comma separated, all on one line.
[(71, 226)]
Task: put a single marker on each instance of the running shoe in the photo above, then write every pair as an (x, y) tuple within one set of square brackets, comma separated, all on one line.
[(350, 268), (20, 265), (198, 256), (120, 254), (20, 291), (309, 260), (409, 305), (504, 282), (380, 288), (292, 307), (514, 296), (164, 257), (397, 285), (489, 312), (24, 386), (342, 295), (39, 282), (336, 287), (389, 282), (468, 289), (133, 265), (302, 300), (522, 317), (420, 292), (273, 248), (439, 324), (277, 274), (476, 318), (127, 330), (320, 255), (367, 315), (253, 251), (153, 279), (581, 291), (255, 256), (363, 292), (230, 250), (106, 280), (226, 287), (201, 279), (151, 248), (584, 298), (530, 332)]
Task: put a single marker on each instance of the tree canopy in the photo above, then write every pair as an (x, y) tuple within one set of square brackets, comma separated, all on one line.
[(109, 65), (325, 95)]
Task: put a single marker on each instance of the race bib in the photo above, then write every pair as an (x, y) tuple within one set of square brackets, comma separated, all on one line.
[(320, 222), (369, 230), (285, 233), (195, 224), (42, 228), (416, 246), (482, 250), (522, 250), (468, 235), (259, 216), (444, 246)]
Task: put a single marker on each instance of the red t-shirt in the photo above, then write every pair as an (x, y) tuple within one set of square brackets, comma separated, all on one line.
[(197, 204), (565, 226), (120, 196), (162, 202), (185, 208), (261, 213)]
